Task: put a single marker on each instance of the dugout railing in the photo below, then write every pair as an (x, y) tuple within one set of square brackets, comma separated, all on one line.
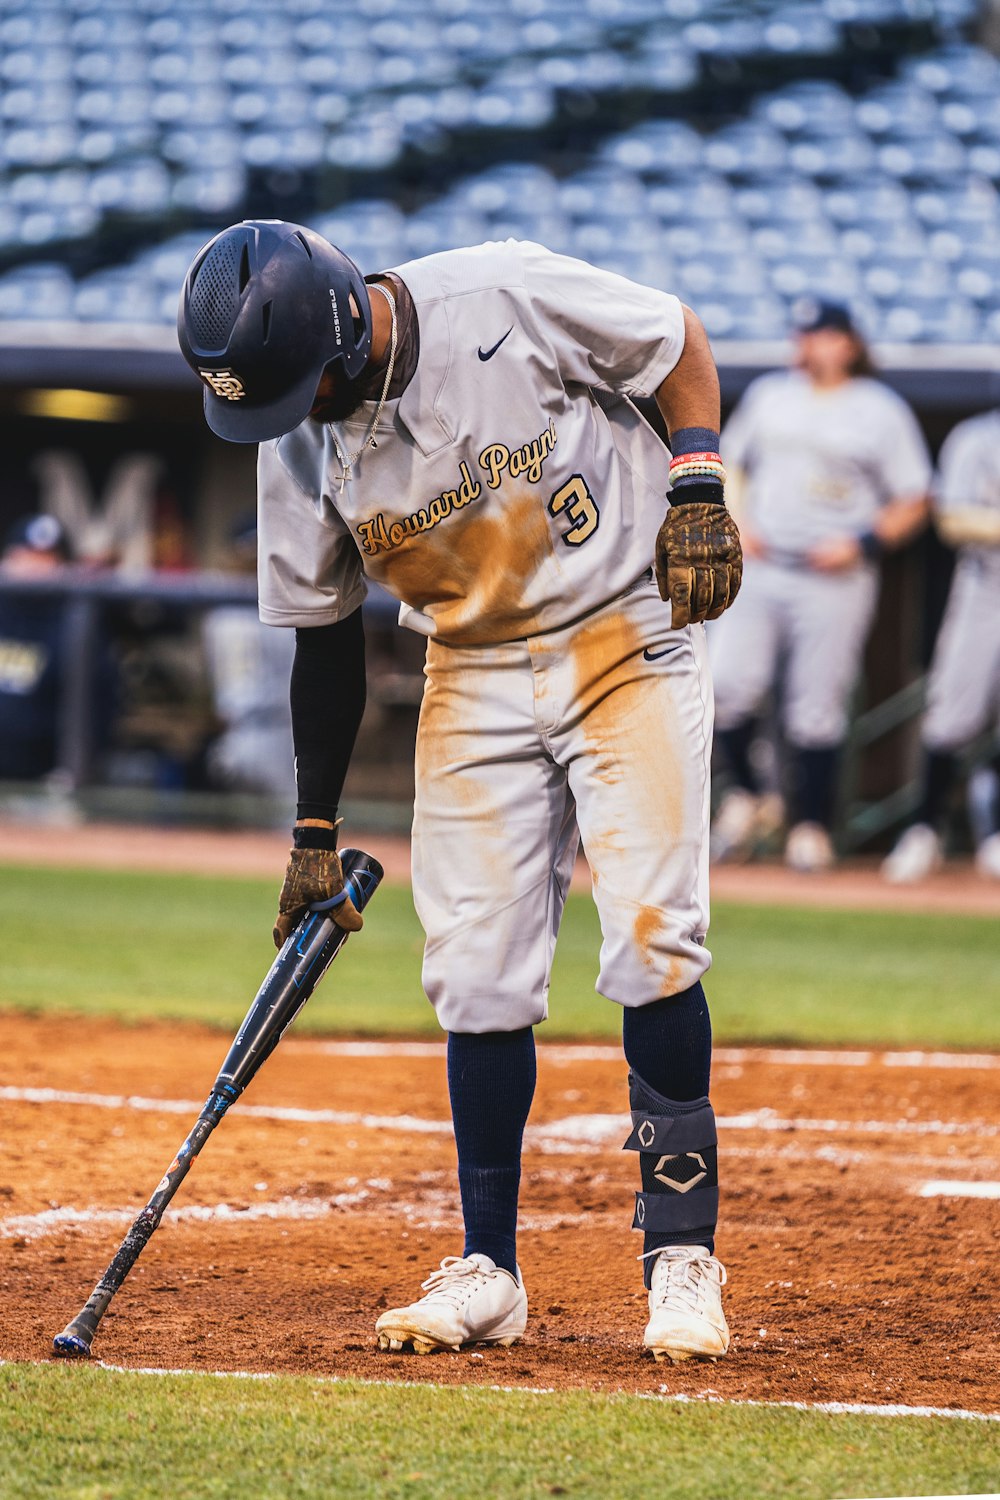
[(73, 786)]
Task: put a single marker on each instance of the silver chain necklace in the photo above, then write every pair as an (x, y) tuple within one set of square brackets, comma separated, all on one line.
[(347, 464)]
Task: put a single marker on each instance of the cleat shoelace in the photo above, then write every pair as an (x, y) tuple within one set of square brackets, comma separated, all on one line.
[(688, 1281), (455, 1280)]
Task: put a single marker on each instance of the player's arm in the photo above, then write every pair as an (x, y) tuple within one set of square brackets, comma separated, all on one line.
[(699, 562), (973, 523), (689, 396), (903, 518), (897, 523), (967, 511), (327, 700)]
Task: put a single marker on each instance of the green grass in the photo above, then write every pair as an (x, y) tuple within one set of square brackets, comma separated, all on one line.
[(93, 1434), (139, 945)]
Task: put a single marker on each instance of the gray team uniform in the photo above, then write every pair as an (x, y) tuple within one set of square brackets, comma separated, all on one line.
[(249, 668), (964, 687), (819, 464), (514, 514)]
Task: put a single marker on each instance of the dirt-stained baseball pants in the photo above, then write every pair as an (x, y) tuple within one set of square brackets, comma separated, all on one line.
[(603, 726)]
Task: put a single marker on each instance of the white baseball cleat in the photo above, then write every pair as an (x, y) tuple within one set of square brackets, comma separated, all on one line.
[(809, 849), (743, 823), (469, 1300), (916, 855), (988, 857), (686, 1320)]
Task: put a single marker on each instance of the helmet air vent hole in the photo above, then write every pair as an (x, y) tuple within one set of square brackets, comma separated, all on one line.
[(244, 269), (303, 242), (267, 319), (214, 303)]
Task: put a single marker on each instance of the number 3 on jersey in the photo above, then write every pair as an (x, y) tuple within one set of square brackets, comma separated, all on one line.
[(574, 501)]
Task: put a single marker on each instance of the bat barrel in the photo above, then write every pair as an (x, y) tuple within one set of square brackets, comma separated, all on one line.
[(362, 875)]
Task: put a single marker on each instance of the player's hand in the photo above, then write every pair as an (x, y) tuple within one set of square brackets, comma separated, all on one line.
[(699, 561), (835, 555), (313, 875)]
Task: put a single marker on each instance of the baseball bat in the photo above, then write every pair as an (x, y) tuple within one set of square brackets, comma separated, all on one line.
[(299, 966)]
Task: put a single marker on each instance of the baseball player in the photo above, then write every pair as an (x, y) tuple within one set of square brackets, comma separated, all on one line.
[(33, 651), (248, 667), (964, 684), (460, 430), (830, 469)]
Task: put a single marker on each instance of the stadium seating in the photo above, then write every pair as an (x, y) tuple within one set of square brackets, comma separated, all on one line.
[(132, 131)]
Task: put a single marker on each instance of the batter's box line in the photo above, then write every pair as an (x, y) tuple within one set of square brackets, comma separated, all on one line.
[(581, 1129)]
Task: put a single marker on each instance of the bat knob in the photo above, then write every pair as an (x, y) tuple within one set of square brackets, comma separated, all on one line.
[(70, 1346)]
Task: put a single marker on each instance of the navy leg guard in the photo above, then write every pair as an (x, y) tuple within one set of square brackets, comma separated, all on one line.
[(678, 1146)]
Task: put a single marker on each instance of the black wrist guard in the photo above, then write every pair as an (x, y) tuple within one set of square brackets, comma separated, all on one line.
[(314, 838), (703, 491)]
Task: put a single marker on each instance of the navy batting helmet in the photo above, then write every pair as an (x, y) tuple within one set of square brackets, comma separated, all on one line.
[(266, 307)]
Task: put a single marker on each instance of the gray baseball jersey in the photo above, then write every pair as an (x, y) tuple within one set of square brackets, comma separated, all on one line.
[(969, 479), (963, 696), (520, 487), (820, 463)]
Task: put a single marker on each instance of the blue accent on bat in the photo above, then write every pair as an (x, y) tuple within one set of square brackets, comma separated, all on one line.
[(337, 900), (361, 883)]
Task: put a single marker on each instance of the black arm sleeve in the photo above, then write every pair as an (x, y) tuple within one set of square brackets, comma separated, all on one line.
[(328, 698)]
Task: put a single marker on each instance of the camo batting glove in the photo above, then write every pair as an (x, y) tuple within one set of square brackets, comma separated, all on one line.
[(313, 875), (699, 561)]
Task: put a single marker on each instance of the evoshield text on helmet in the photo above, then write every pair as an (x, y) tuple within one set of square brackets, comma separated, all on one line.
[(266, 307)]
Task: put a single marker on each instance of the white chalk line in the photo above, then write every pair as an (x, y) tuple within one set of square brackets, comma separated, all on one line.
[(436, 1213), (586, 1129), (408, 1124), (950, 1187), (51, 1220), (702, 1398), (567, 1053), (436, 1210)]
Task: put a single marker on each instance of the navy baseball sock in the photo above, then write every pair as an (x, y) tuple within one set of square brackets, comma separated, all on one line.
[(491, 1080), (735, 746), (940, 769), (668, 1044), (815, 784)]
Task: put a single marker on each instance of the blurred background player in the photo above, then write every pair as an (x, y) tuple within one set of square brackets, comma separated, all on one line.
[(828, 468), (32, 651), (964, 685), (249, 667), (35, 655)]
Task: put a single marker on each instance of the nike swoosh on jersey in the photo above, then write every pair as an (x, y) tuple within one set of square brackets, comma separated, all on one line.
[(655, 655), (485, 354)]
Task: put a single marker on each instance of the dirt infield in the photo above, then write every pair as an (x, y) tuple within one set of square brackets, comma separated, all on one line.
[(860, 1267), (854, 885)]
